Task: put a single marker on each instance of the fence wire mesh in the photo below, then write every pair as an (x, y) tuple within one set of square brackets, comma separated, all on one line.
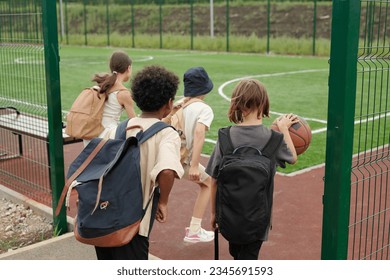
[(369, 233), (23, 112)]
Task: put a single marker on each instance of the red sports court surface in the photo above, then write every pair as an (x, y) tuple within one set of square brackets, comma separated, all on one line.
[(297, 220)]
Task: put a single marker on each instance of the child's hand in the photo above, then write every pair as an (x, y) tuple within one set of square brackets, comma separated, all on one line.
[(286, 121), (193, 173), (162, 213)]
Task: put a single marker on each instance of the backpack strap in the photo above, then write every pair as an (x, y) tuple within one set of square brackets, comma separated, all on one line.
[(77, 173), (120, 132), (269, 149), (273, 144), (156, 127), (192, 100), (225, 142)]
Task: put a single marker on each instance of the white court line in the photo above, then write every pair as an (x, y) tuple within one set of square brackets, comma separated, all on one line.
[(146, 58), (220, 90), (356, 122), (20, 102), (28, 60)]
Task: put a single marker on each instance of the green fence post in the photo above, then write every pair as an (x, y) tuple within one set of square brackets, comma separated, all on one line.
[(108, 22), (340, 128), (268, 24), (52, 73), (132, 24), (192, 23), (314, 27), (25, 23), (66, 22), (85, 22), (37, 19), (10, 19), (1, 25), (160, 9), (227, 24)]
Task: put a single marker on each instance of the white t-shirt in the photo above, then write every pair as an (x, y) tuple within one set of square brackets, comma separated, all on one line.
[(197, 112)]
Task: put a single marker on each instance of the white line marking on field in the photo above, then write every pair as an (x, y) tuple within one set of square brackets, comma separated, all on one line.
[(142, 59), (356, 122), (220, 89), (221, 93), (210, 141), (15, 101), (27, 60)]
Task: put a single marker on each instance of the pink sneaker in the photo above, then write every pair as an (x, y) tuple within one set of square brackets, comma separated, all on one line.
[(200, 236)]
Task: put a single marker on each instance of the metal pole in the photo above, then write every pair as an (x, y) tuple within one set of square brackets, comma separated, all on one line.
[(66, 22), (340, 128), (132, 24), (108, 23), (85, 23), (314, 27), (192, 23), (227, 25), (268, 23), (52, 74), (62, 21), (161, 43), (211, 18)]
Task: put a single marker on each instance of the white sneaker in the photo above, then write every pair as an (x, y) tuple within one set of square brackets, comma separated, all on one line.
[(201, 236)]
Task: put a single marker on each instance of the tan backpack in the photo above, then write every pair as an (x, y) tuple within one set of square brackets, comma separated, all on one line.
[(84, 119), (177, 121)]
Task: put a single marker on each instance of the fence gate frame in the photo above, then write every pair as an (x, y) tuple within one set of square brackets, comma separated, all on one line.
[(348, 176), (54, 113)]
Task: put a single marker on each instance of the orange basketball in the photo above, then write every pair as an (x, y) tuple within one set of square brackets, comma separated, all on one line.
[(300, 133)]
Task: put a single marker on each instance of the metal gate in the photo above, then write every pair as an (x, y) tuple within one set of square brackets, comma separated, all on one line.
[(31, 138), (356, 217)]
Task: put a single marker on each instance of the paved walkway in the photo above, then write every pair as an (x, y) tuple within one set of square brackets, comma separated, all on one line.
[(296, 233)]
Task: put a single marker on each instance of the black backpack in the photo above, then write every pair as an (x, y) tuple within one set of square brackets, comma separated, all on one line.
[(107, 178), (245, 188)]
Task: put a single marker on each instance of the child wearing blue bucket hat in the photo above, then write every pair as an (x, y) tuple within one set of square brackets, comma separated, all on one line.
[(197, 117)]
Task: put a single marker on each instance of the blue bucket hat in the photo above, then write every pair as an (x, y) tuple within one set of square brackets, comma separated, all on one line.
[(196, 82)]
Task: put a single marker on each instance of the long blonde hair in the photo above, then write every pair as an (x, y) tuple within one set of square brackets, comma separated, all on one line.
[(249, 95)]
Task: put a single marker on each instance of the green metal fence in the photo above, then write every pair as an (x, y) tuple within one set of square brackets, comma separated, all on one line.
[(31, 151), (356, 217), (226, 25)]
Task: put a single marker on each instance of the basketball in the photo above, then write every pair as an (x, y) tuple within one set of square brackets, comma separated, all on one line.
[(300, 133)]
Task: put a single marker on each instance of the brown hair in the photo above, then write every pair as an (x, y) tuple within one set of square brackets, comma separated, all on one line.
[(249, 95), (119, 63)]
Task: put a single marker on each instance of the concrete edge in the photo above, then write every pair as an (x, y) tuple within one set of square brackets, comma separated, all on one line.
[(36, 245), (45, 211), (37, 207)]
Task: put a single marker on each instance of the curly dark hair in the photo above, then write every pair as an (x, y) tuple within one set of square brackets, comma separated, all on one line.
[(153, 86)]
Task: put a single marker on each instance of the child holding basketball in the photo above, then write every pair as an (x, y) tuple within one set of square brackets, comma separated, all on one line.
[(249, 105)]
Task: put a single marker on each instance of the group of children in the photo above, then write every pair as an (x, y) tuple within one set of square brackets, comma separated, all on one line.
[(153, 89)]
